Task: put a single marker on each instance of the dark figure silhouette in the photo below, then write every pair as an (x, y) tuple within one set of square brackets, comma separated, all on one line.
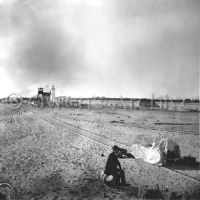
[(113, 167)]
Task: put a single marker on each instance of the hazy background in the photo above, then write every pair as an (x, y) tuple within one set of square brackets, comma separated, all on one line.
[(129, 48)]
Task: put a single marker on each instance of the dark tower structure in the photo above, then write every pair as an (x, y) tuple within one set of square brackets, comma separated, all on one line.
[(40, 91), (44, 95)]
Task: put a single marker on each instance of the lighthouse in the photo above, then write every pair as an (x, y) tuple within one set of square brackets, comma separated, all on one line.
[(53, 95)]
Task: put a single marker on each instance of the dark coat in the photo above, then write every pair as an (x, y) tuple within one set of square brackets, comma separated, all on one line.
[(112, 165)]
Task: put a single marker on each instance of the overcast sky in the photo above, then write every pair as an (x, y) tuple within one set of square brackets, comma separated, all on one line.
[(86, 48)]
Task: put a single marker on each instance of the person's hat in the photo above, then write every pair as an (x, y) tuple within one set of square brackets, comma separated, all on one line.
[(115, 147)]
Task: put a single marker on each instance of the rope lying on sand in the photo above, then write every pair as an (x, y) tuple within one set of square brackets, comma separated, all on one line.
[(10, 186)]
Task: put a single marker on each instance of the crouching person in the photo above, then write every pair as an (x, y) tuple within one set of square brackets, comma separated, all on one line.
[(113, 171)]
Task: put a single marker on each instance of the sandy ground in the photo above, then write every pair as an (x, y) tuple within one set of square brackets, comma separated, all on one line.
[(44, 161)]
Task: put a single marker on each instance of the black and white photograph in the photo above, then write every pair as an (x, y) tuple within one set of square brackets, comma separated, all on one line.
[(99, 99)]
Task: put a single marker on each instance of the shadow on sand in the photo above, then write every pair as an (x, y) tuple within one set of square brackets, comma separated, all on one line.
[(155, 193), (185, 163)]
